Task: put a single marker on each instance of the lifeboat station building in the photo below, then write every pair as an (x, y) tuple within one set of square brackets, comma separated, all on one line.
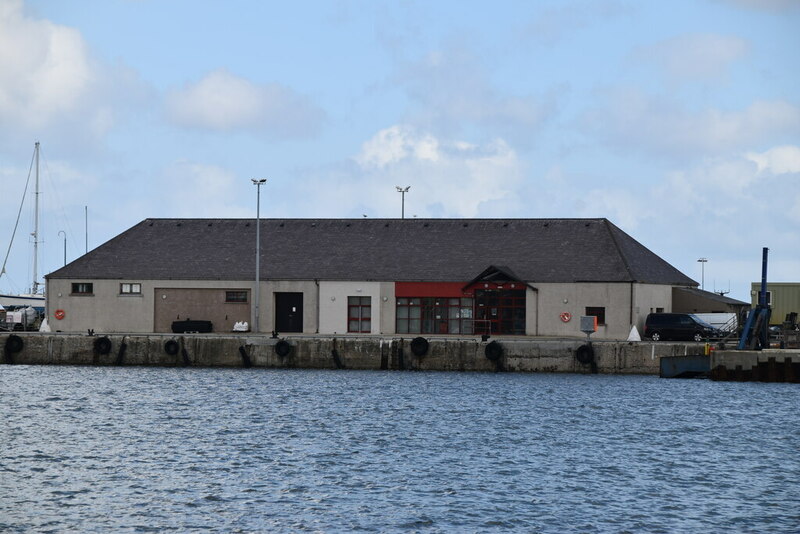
[(436, 277)]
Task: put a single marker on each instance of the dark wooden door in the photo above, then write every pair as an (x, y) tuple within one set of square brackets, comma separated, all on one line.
[(289, 312)]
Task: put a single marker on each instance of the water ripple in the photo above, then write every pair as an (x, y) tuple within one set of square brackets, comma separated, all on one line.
[(201, 450)]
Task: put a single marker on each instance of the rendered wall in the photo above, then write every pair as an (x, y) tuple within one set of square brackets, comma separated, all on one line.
[(333, 305), (106, 310)]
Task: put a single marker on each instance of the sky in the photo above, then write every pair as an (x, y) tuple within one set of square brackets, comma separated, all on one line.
[(678, 121)]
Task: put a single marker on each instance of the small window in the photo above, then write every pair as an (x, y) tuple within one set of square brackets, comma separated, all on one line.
[(130, 289), (82, 288), (236, 296), (597, 311)]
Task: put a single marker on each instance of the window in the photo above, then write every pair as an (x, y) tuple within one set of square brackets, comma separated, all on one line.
[(359, 314), (236, 296), (597, 311), (434, 315), (130, 289), (82, 288)]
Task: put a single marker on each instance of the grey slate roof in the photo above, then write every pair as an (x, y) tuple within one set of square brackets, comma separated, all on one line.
[(716, 297), (454, 250)]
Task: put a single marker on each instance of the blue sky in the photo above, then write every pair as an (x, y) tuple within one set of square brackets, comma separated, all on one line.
[(678, 121)]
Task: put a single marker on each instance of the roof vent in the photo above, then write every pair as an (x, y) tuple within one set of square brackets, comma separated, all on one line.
[(505, 225), (180, 224), (547, 224), (313, 225), (347, 225), (247, 224), (586, 224), (211, 224), (465, 225), (425, 225), (281, 225), (386, 225)]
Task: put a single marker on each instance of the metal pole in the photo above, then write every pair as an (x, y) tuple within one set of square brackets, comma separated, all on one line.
[(86, 226), (258, 184), (762, 295), (65, 244), (35, 286), (402, 191), (702, 262)]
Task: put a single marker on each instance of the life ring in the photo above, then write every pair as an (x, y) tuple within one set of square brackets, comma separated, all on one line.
[(283, 348), (14, 344), (585, 354), (171, 347), (419, 346), (566, 316), (493, 351), (59, 314), (102, 345)]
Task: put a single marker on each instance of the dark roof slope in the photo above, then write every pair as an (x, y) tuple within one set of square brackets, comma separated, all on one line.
[(536, 250), (716, 297)]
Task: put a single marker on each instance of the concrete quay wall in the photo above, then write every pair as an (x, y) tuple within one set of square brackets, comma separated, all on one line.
[(324, 352)]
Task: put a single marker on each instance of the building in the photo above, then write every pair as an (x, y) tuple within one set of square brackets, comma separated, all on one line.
[(782, 297), (694, 300), (530, 277)]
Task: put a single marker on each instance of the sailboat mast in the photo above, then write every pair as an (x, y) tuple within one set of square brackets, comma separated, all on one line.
[(35, 285)]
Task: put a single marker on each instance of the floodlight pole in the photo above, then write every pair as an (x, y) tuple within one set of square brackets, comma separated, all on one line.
[(702, 262), (403, 191), (258, 183), (65, 244)]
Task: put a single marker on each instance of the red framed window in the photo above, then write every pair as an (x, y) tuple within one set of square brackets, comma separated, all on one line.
[(359, 315), (434, 315)]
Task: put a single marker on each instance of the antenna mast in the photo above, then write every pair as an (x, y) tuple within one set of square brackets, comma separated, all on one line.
[(35, 285)]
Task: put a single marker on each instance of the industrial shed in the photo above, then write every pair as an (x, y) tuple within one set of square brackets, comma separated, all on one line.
[(520, 277)]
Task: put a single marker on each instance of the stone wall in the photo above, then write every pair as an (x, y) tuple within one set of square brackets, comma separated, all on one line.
[(324, 352)]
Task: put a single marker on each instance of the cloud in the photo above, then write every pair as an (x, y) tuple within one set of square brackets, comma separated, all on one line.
[(632, 121), (778, 160), (450, 91), (192, 189), (553, 24), (223, 102), (49, 79), (773, 6), (690, 57), (448, 178)]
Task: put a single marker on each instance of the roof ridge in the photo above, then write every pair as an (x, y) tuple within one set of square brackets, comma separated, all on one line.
[(608, 224)]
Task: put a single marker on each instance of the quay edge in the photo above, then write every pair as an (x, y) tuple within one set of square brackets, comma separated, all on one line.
[(553, 355)]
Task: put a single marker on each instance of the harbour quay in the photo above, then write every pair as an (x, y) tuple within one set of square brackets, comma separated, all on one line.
[(481, 353)]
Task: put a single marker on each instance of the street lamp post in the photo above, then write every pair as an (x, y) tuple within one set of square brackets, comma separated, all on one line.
[(65, 244), (403, 191), (258, 183), (702, 262)]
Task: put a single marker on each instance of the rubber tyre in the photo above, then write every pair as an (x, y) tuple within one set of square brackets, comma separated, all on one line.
[(14, 344), (585, 354), (655, 336), (419, 346), (102, 345), (493, 351), (283, 348), (171, 347)]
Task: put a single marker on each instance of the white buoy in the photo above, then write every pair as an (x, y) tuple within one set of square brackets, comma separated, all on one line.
[(634, 335)]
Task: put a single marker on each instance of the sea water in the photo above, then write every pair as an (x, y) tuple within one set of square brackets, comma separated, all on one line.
[(123, 449)]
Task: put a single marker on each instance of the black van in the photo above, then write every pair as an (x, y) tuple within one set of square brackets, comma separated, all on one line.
[(678, 327)]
